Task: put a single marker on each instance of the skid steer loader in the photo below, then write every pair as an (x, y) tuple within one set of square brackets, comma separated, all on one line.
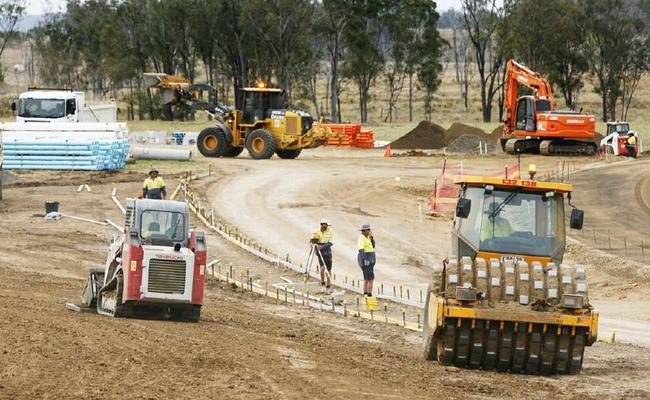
[(156, 270), (505, 300)]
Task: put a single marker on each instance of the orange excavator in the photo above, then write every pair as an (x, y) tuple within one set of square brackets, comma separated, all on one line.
[(532, 125)]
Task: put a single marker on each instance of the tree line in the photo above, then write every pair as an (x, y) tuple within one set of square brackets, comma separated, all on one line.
[(107, 45)]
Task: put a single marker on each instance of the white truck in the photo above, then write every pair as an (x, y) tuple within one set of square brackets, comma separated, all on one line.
[(60, 105), (47, 116)]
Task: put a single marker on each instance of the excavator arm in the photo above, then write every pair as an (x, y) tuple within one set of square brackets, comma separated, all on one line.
[(519, 74)]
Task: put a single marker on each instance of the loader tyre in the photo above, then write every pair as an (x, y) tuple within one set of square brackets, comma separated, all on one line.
[(232, 152), (260, 144), (211, 142), (288, 154)]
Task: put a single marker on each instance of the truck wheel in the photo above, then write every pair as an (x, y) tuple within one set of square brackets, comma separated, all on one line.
[(288, 154), (212, 142), (232, 152), (260, 144)]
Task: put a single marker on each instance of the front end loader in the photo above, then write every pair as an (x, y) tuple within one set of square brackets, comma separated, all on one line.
[(156, 270), (506, 301), (264, 127)]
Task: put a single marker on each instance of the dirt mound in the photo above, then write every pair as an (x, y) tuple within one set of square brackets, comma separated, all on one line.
[(457, 129), (468, 143), (598, 137), (498, 131), (426, 135)]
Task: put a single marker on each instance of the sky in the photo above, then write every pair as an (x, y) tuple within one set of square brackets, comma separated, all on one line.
[(40, 7)]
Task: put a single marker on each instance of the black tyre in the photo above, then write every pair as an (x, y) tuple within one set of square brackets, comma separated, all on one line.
[(260, 144), (288, 154), (232, 152), (211, 142)]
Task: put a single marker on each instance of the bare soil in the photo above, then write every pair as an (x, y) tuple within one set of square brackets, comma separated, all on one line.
[(247, 346)]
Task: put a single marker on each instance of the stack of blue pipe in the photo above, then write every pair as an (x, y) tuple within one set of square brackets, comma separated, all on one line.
[(74, 154)]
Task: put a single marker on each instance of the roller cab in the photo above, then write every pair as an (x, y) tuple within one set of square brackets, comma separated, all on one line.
[(506, 301)]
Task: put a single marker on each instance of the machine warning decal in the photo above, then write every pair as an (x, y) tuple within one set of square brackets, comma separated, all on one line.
[(277, 114), (134, 265), (202, 269)]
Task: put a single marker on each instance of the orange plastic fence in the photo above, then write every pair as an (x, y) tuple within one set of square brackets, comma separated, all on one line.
[(351, 135), (445, 192)]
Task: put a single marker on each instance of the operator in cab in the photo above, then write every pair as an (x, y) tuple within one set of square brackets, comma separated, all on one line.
[(494, 226), (154, 186)]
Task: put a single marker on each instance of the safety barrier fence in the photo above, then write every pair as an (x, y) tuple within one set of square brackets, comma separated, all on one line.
[(445, 191), (290, 295)]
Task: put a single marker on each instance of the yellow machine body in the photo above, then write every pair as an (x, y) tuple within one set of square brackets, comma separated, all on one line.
[(506, 300)]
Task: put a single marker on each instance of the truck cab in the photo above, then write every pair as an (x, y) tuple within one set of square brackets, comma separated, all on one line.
[(49, 106), (60, 106)]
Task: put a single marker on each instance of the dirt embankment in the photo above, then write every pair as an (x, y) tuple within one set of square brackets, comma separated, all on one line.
[(459, 138)]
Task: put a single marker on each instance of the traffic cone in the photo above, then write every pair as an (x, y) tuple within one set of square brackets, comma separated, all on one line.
[(387, 151)]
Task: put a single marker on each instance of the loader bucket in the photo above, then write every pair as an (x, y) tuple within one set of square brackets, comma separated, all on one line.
[(94, 282)]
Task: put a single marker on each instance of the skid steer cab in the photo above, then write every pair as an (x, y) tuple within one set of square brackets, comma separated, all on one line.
[(156, 270), (506, 300)]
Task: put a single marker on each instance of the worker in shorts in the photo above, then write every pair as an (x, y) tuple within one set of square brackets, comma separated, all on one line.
[(323, 243), (366, 258), (154, 186)]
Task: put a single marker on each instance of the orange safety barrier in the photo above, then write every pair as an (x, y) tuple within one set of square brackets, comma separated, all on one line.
[(351, 135), (445, 191)]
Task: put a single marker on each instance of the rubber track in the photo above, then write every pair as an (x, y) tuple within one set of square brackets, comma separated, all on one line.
[(517, 347)]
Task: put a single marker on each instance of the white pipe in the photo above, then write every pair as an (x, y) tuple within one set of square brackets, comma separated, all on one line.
[(145, 153)]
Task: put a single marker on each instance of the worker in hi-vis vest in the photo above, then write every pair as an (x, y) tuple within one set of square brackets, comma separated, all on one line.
[(154, 186), (630, 144), (366, 258)]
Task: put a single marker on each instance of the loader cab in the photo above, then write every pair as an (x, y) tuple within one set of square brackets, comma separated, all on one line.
[(505, 218), (259, 103)]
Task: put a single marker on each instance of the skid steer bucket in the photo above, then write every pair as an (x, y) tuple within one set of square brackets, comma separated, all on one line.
[(94, 282)]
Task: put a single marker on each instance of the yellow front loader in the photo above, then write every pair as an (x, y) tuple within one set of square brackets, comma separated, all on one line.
[(264, 127), (505, 300)]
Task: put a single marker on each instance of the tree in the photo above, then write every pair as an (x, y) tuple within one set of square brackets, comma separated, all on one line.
[(335, 23), (548, 43), (482, 19), (615, 35), (407, 21), (364, 59), (429, 54), (462, 54), (10, 13)]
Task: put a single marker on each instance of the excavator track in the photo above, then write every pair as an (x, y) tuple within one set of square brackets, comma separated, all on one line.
[(567, 148), (537, 348)]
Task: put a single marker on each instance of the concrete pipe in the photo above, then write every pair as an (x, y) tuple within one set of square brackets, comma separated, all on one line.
[(144, 153)]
